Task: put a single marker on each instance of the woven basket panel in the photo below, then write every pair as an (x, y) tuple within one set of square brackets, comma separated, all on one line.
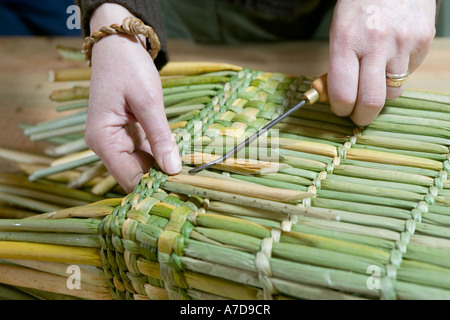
[(317, 209)]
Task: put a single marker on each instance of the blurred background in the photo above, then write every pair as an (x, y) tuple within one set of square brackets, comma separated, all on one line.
[(49, 18), (35, 18)]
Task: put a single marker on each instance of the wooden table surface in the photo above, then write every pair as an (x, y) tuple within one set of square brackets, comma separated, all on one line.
[(25, 63)]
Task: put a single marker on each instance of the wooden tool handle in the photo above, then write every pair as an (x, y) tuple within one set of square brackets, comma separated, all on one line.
[(318, 91), (320, 84)]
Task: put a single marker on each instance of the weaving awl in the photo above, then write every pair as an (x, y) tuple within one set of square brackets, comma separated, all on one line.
[(318, 92)]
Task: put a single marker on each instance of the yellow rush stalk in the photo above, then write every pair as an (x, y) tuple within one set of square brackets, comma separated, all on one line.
[(50, 252)]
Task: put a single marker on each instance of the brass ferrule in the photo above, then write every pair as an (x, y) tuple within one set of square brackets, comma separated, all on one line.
[(311, 96)]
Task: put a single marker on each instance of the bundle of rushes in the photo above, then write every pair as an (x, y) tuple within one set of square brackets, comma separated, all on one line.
[(317, 209)]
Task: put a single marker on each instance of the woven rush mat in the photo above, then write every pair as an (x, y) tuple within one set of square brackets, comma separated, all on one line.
[(316, 209)]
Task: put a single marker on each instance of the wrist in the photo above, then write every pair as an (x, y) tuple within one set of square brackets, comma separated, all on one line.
[(111, 13), (107, 14)]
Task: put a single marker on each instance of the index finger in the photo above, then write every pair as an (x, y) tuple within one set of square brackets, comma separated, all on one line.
[(117, 150)]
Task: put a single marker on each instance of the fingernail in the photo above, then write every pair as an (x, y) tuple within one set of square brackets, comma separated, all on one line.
[(172, 162)]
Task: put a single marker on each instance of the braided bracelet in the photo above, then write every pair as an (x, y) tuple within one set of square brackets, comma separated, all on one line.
[(131, 26)]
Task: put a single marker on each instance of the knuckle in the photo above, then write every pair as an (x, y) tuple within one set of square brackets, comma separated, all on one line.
[(143, 98), (341, 104), (144, 94), (148, 105), (403, 37), (372, 102), (379, 34), (426, 36), (342, 35)]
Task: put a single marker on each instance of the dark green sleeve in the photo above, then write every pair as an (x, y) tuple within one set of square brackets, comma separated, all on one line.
[(146, 10)]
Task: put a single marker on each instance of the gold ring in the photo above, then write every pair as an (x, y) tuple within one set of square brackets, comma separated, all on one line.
[(396, 80)]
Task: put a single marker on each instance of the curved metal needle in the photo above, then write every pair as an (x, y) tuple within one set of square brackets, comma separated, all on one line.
[(250, 139)]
